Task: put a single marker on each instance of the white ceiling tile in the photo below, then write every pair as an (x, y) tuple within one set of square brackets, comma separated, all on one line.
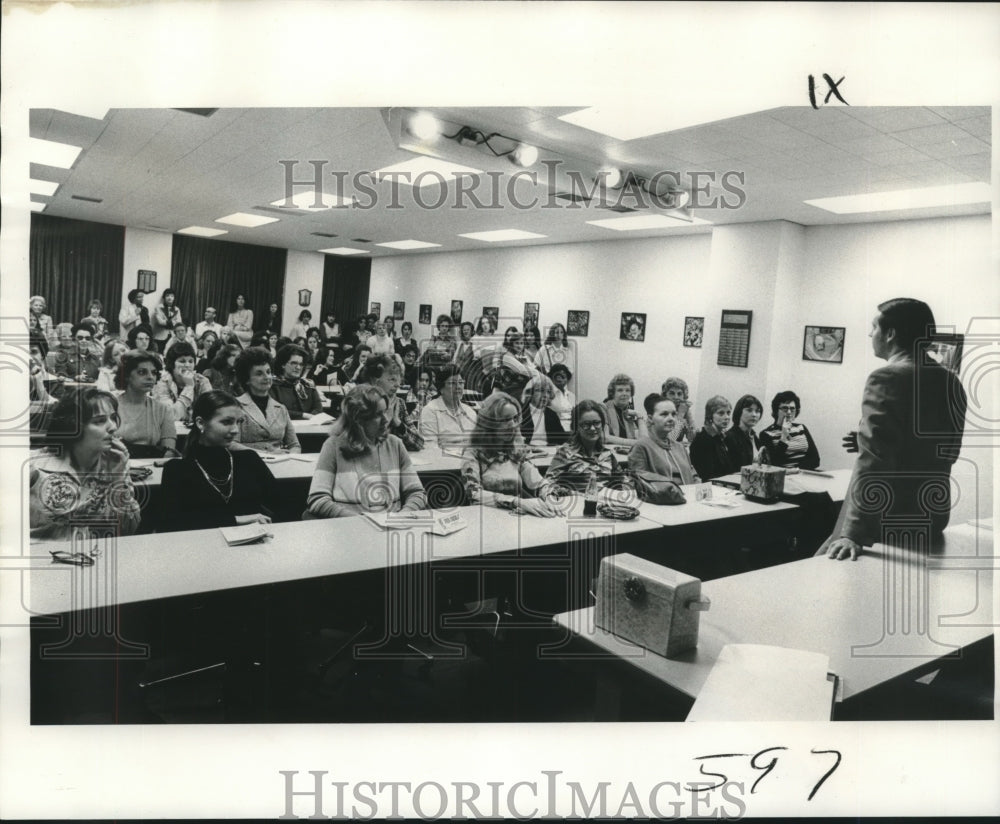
[(896, 118), (978, 166), (927, 135), (954, 113), (955, 148), (976, 126)]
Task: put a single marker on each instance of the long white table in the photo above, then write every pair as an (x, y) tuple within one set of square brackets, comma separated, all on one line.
[(876, 618), (831, 481)]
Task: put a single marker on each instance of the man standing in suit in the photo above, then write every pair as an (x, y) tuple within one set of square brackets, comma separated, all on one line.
[(912, 419)]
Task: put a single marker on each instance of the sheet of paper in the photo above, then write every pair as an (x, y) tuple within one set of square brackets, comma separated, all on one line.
[(755, 682)]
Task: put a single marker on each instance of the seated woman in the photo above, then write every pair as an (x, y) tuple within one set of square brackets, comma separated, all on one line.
[(788, 442), (741, 440), (445, 420), (300, 329), (38, 321), (271, 322), (111, 362), (207, 344), (216, 484), (540, 425), (623, 420), (241, 321), (329, 332), (140, 337), (440, 350), (422, 392), (515, 357), (181, 335), (657, 451), (676, 389), (179, 385), (411, 372), (382, 342), (555, 351), (563, 400), (315, 351), (709, 453), (465, 350), (147, 425), (94, 315), (495, 469), (382, 372), (40, 401), (532, 343), (222, 372), (265, 425), (584, 455), (83, 486), (362, 467), (352, 367), (297, 394), (406, 340), (325, 369)]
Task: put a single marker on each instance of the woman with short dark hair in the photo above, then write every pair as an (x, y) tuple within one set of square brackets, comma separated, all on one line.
[(82, 485), (441, 349), (266, 424), (362, 466), (166, 316), (216, 484), (222, 371), (788, 442), (300, 329), (141, 337), (297, 394), (741, 439), (709, 452), (147, 425), (180, 385)]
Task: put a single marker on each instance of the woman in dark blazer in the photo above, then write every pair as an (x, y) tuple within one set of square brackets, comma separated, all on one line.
[(741, 439)]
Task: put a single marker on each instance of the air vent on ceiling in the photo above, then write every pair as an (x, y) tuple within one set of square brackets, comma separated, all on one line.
[(323, 234), (199, 112), (88, 199), (360, 240), (157, 229)]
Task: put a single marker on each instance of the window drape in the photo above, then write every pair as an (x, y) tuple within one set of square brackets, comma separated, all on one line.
[(71, 262), (345, 289), (207, 272)]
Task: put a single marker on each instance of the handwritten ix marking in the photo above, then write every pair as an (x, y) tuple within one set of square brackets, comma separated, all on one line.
[(834, 90)]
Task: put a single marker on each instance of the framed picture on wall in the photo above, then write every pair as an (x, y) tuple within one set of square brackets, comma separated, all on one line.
[(399, 310), (577, 323), (694, 332), (147, 281), (823, 343), (456, 312), (425, 313), (633, 326), (375, 308), (492, 312), (946, 349), (530, 315)]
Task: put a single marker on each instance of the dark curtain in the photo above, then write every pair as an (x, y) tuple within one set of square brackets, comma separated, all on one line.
[(207, 272), (345, 289), (74, 261)]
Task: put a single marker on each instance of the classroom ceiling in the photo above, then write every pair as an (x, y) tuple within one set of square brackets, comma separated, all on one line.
[(167, 169)]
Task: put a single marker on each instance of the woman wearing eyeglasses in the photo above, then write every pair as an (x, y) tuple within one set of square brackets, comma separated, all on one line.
[(147, 425), (217, 483), (297, 394), (788, 442), (362, 467), (495, 468), (83, 485), (585, 455)]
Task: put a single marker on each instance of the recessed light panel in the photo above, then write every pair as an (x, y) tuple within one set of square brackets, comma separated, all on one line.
[(344, 250), (952, 195), (641, 222), (201, 231), (42, 187), (425, 171), (407, 244), (50, 153), (306, 201), (246, 220), (500, 235), (38, 207)]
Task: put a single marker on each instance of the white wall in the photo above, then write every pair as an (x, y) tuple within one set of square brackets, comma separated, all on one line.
[(303, 270), (145, 249), (659, 276)]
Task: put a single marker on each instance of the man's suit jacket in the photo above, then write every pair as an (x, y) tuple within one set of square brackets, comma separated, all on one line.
[(912, 419)]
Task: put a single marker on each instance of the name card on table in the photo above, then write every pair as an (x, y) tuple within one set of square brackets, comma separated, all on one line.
[(434, 522)]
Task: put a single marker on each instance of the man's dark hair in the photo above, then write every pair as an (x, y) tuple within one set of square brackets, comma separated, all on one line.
[(911, 319)]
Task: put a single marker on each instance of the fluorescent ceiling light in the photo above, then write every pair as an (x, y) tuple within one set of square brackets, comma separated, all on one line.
[(38, 207), (407, 244), (639, 222), (434, 170), (96, 113), (499, 235), (305, 201), (201, 231), (50, 153), (345, 250), (247, 220), (952, 195), (623, 121), (42, 187)]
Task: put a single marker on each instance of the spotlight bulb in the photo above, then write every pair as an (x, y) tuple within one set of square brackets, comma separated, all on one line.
[(423, 126)]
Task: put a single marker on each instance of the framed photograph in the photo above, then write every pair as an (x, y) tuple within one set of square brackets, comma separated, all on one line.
[(375, 308), (734, 338), (492, 312), (577, 323), (633, 326), (425, 313), (694, 332), (530, 315), (398, 310), (946, 349), (456, 312), (823, 343)]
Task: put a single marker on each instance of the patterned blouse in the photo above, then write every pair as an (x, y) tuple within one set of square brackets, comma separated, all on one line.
[(572, 467), (489, 475)]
